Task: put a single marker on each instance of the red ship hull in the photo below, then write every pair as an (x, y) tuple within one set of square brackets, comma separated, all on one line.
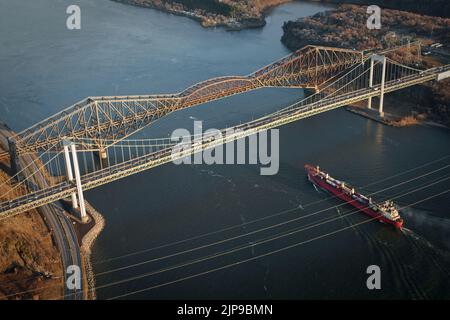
[(314, 178)]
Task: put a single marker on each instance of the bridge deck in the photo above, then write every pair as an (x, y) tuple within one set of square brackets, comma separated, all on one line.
[(118, 171)]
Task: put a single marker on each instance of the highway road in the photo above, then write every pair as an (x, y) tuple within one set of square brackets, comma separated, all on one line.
[(59, 224)]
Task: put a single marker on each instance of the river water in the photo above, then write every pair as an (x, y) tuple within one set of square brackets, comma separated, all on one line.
[(124, 50)]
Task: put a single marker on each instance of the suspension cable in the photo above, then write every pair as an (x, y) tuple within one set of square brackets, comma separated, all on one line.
[(403, 194), (262, 255)]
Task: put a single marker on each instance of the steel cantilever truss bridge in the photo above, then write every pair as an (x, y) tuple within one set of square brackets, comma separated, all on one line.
[(115, 118), (103, 125)]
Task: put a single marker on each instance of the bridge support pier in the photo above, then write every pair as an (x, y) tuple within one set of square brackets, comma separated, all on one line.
[(14, 158), (316, 89), (381, 59), (102, 155), (383, 78), (369, 102), (66, 145), (84, 216), (70, 177)]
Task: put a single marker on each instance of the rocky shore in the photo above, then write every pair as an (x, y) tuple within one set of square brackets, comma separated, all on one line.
[(29, 259), (231, 14), (30, 263), (346, 27), (86, 248), (439, 8)]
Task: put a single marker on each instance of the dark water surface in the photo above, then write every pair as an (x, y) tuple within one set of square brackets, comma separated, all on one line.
[(126, 50)]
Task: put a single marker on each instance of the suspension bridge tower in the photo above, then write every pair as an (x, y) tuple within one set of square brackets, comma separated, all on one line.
[(382, 59), (68, 154)]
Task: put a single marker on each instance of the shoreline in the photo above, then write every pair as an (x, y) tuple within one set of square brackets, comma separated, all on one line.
[(426, 104), (392, 120), (206, 21), (36, 218), (388, 119), (84, 241), (87, 242)]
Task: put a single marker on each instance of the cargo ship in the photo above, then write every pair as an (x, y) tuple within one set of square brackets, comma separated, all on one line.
[(384, 212)]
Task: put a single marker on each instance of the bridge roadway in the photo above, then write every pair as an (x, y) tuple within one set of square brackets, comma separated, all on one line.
[(284, 116)]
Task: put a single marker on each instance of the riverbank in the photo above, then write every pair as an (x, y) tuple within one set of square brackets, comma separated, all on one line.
[(87, 233), (393, 119), (346, 27), (440, 8), (29, 261), (86, 248), (234, 15), (387, 119), (401, 108)]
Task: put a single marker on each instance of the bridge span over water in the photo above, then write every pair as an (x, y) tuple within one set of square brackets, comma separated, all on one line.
[(63, 146)]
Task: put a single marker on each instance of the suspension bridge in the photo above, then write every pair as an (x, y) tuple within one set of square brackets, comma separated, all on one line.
[(88, 145)]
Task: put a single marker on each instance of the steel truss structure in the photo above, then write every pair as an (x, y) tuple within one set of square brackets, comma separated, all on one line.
[(349, 88), (115, 118)]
